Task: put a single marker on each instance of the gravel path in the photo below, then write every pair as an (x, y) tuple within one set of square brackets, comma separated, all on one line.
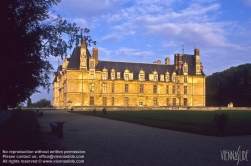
[(111, 142)]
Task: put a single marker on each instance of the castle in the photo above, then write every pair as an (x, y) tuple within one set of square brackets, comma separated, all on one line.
[(83, 81)]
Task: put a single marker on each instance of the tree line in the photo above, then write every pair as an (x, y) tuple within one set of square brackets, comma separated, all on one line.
[(40, 103), (231, 85)]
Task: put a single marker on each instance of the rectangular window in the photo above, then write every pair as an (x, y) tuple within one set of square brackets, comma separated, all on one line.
[(167, 102), (104, 76), (91, 64), (155, 89), (112, 101), (126, 88), (141, 77), (91, 100), (141, 88), (126, 76), (167, 90), (118, 75), (174, 89), (155, 101), (185, 78), (161, 77), (104, 101), (174, 102), (112, 76), (185, 89), (126, 101), (91, 87), (140, 103), (92, 75), (185, 101), (167, 77), (112, 87), (174, 79), (103, 88), (155, 78)]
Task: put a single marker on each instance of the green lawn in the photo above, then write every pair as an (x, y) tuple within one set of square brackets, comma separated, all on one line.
[(199, 122), (21, 132)]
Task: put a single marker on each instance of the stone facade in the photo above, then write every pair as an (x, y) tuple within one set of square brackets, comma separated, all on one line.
[(84, 80)]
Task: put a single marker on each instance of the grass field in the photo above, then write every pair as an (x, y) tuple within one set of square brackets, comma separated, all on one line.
[(21, 132), (198, 122)]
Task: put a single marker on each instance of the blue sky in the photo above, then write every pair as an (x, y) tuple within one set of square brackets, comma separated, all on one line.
[(151, 30)]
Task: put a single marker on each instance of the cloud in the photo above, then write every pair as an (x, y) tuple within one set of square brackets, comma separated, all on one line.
[(111, 37), (125, 52), (195, 24)]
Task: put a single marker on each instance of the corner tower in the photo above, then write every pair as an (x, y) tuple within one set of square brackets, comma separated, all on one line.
[(83, 56), (197, 61)]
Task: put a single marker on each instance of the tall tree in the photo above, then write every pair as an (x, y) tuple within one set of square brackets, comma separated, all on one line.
[(231, 85), (29, 103), (29, 35)]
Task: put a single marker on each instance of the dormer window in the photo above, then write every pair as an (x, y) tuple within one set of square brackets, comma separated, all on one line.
[(113, 74), (104, 74), (185, 68), (162, 77), (104, 77), (167, 76), (155, 78), (118, 75), (126, 74), (126, 77), (174, 77), (141, 75), (92, 64)]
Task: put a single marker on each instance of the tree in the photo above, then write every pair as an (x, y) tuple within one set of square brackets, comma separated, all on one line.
[(42, 103), (231, 85), (29, 103), (29, 35)]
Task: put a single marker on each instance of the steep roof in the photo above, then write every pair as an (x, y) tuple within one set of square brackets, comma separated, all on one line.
[(74, 60), (134, 67), (74, 64)]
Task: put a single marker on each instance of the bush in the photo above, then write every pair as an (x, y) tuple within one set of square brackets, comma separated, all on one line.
[(221, 120), (104, 111)]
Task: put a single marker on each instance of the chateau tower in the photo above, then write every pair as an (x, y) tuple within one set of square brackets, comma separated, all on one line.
[(197, 61), (83, 56)]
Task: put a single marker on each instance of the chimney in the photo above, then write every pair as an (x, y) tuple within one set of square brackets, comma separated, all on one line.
[(167, 61), (196, 52), (158, 62), (95, 55)]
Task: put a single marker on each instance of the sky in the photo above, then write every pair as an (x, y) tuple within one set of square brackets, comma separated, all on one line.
[(151, 30)]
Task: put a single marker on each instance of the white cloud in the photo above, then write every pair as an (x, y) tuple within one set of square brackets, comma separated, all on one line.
[(81, 22), (125, 52), (111, 37)]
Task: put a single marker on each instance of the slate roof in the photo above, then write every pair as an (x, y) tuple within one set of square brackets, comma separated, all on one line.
[(134, 67), (74, 64)]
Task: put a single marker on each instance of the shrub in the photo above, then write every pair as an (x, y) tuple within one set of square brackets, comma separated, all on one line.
[(104, 111), (221, 120)]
